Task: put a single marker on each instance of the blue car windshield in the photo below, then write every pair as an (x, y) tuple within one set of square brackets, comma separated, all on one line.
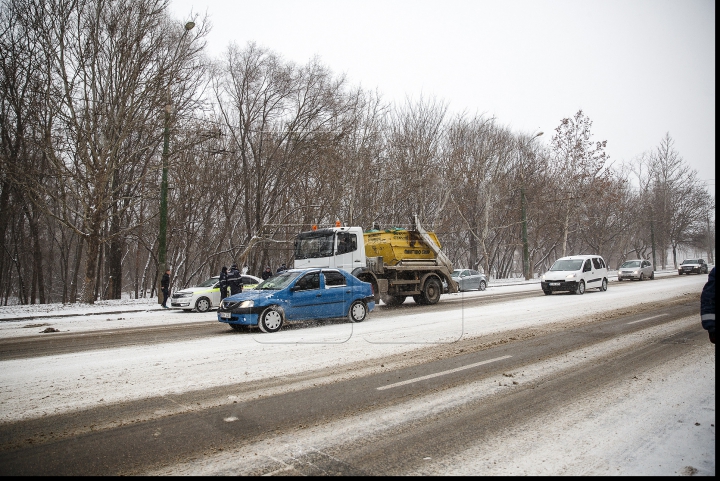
[(280, 281), (567, 265)]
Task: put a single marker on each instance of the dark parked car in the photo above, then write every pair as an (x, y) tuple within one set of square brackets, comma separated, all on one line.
[(696, 266), (296, 295)]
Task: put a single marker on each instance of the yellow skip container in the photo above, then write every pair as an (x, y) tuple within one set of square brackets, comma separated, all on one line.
[(395, 245)]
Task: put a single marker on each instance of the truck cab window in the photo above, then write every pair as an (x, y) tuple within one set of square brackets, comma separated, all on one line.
[(346, 242), (314, 244)]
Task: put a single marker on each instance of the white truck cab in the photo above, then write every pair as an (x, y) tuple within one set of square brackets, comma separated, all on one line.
[(335, 247)]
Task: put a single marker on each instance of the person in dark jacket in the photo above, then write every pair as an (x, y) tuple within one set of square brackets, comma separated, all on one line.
[(223, 283), (282, 268), (165, 286), (267, 273), (234, 280), (707, 306)]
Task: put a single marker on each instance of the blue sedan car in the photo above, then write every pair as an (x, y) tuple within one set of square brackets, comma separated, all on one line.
[(297, 295)]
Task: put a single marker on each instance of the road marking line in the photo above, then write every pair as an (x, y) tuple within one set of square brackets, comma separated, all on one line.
[(647, 319), (430, 376)]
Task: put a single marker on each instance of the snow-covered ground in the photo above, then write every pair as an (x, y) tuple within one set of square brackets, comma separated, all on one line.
[(663, 424)]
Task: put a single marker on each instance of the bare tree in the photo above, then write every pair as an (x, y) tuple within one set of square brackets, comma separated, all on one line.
[(110, 65), (480, 161), (285, 125), (413, 180), (579, 161), (681, 204)]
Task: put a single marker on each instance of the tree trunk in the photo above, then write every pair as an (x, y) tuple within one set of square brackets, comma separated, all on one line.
[(93, 250), (566, 227), (114, 267), (4, 199)]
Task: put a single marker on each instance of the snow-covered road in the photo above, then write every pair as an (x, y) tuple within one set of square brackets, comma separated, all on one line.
[(627, 431)]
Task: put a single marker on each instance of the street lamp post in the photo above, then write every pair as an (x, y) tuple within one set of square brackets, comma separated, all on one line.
[(162, 235), (523, 215)]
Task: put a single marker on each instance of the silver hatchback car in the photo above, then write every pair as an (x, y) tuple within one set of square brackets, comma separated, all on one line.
[(639, 269), (469, 279)]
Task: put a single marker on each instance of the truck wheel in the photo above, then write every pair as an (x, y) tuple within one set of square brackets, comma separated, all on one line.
[(389, 300), (431, 292), (271, 320), (357, 311)]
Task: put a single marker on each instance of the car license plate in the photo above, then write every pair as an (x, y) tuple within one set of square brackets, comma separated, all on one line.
[(554, 283), (225, 315)]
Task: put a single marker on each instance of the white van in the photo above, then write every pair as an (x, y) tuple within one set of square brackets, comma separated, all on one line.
[(575, 274)]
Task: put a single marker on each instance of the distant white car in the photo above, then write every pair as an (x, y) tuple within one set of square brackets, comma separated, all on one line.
[(206, 295), (639, 269), (575, 274)]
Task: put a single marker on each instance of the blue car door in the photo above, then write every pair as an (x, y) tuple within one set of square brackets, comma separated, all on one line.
[(337, 294), (306, 298)]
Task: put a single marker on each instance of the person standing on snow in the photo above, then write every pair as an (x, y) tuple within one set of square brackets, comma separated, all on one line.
[(165, 286), (234, 280), (223, 283), (707, 306), (267, 273), (282, 268)]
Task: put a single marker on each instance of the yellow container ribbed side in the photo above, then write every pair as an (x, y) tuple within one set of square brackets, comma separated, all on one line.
[(398, 244)]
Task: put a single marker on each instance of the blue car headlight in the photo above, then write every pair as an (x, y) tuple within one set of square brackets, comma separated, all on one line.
[(227, 304)]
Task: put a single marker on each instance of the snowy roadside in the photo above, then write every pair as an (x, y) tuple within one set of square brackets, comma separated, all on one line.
[(30, 320), (661, 423)]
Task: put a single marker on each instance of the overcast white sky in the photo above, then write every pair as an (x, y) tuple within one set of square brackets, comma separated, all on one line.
[(637, 68)]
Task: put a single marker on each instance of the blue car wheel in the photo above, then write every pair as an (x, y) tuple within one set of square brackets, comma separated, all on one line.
[(357, 311), (271, 319)]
